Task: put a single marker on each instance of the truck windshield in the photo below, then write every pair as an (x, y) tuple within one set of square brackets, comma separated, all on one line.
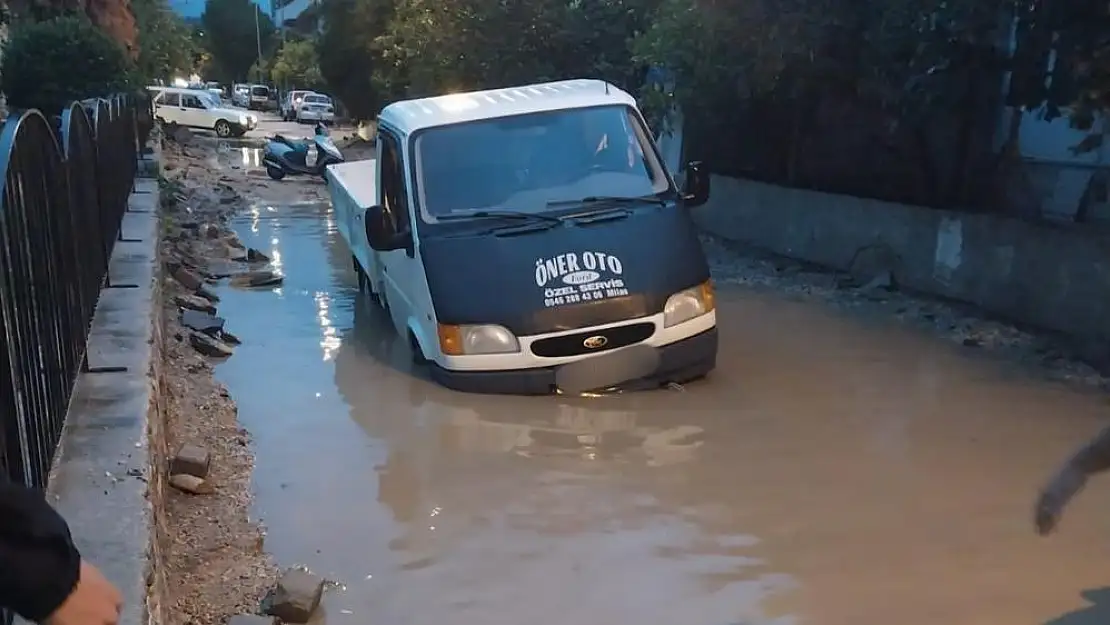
[(527, 162)]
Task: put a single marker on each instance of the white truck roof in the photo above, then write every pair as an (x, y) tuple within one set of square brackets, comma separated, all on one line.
[(358, 179), (410, 115)]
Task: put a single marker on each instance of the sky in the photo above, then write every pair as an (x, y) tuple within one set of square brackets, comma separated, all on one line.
[(193, 8)]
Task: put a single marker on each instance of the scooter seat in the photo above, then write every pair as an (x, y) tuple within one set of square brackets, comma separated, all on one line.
[(289, 142)]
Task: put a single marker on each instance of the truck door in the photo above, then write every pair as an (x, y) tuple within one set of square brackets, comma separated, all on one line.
[(400, 268)]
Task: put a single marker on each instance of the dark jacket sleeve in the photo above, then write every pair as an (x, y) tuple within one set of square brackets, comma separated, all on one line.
[(39, 565), (1094, 457)]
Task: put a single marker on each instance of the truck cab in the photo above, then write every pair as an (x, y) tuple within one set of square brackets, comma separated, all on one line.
[(530, 240)]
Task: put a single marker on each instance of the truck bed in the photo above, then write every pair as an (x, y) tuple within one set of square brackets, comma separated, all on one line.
[(356, 180)]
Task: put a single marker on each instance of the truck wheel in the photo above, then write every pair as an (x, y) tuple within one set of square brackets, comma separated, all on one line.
[(417, 353), (275, 172), (223, 129), (364, 285)]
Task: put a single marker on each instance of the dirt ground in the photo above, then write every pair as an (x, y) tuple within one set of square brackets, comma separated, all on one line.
[(215, 563)]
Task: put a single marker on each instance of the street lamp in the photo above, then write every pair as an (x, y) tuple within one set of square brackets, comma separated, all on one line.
[(258, 39)]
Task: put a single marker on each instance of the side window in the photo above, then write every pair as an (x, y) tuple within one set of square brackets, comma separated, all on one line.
[(170, 99), (191, 101), (393, 181)]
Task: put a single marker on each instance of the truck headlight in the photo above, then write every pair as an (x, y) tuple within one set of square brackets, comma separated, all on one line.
[(472, 340), (688, 304)]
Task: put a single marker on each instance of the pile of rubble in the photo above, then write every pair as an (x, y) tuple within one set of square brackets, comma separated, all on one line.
[(199, 255), (216, 566)]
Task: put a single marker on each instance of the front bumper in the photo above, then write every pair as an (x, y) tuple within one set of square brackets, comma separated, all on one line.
[(681, 361), (316, 116)]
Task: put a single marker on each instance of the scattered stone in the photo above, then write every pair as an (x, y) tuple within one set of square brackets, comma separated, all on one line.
[(883, 281), (256, 279), (212, 231), (210, 345), (187, 278), (202, 322), (972, 342), (192, 302), (230, 338), (191, 484), (296, 596), (191, 460), (238, 254), (203, 291), (251, 619), (182, 135), (254, 256), (234, 241)]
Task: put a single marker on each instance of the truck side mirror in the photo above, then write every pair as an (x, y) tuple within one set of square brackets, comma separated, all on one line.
[(696, 189), (380, 233)]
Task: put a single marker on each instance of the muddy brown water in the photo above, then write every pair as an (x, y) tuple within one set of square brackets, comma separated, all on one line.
[(830, 472)]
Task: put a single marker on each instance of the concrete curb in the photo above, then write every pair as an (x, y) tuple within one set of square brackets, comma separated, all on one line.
[(104, 461)]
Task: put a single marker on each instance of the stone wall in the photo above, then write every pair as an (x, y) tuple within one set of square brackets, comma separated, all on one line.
[(1057, 278)]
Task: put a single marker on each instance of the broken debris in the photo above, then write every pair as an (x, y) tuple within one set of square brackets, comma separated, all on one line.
[(202, 322), (209, 345), (191, 484), (256, 279), (191, 460), (296, 596), (192, 302)]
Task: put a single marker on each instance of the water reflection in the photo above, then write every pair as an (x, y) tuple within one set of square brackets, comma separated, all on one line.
[(890, 474), (252, 157)]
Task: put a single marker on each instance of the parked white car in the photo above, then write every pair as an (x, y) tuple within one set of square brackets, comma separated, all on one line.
[(316, 107), (291, 102), (200, 109), (240, 95)]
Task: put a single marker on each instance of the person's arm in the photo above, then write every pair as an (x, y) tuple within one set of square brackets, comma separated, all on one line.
[(39, 565), (1092, 458)]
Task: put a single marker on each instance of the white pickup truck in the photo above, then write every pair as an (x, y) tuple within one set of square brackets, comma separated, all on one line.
[(530, 240)]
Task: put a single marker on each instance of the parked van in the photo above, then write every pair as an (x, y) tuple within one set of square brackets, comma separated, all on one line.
[(259, 98), (530, 240)]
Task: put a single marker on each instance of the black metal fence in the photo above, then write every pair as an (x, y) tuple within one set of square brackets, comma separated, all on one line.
[(65, 188)]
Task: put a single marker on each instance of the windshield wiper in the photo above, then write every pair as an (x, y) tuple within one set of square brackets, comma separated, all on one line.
[(611, 200), (495, 214)]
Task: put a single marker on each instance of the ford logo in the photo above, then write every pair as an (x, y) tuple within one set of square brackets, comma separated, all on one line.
[(581, 277), (595, 342)]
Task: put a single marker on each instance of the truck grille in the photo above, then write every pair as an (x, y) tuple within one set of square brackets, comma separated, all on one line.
[(575, 344)]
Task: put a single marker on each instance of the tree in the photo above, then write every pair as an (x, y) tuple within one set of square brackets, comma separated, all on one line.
[(297, 65), (442, 45), (232, 39), (349, 55), (46, 65), (165, 41)]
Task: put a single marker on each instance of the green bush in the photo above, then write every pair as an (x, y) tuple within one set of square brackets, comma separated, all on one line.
[(48, 64)]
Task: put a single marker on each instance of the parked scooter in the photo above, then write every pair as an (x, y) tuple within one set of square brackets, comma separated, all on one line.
[(283, 156)]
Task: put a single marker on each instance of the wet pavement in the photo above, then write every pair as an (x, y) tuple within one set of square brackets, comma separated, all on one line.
[(831, 471)]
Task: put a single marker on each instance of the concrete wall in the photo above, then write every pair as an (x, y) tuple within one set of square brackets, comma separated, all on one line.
[(110, 448), (1054, 278)]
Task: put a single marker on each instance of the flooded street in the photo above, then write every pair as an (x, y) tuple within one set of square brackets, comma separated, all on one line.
[(830, 471)]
